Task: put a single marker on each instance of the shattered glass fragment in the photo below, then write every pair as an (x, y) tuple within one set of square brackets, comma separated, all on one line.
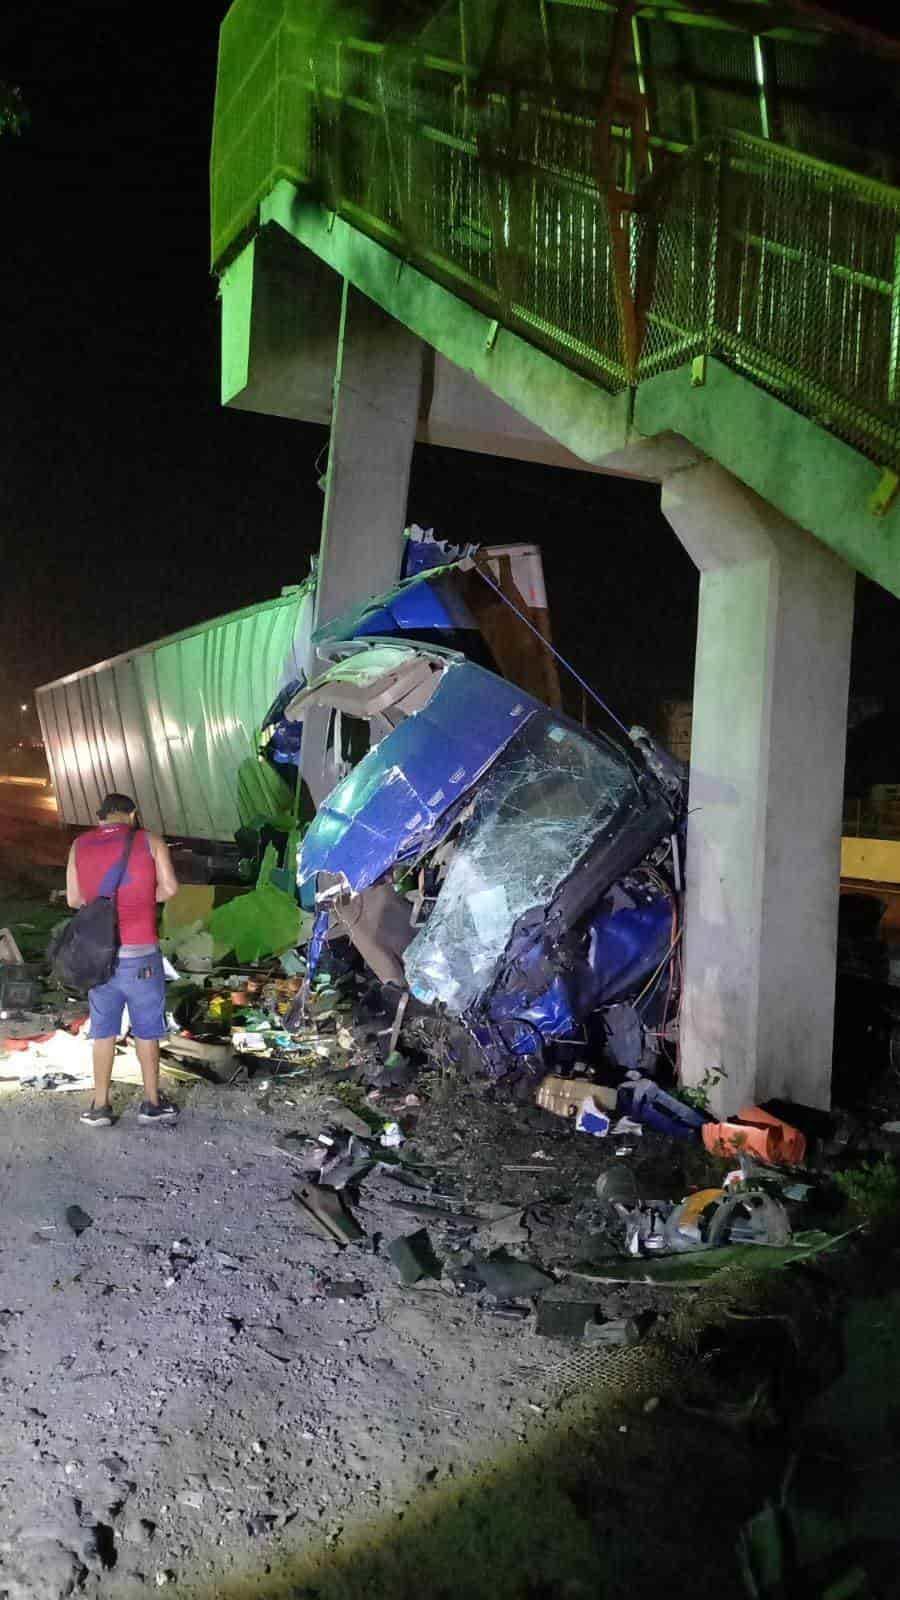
[(534, 816)]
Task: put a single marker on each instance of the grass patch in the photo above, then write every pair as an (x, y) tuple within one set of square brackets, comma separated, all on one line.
[(871, 1190)]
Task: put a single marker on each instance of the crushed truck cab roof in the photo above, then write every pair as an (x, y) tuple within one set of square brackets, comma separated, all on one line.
[(394, 802)]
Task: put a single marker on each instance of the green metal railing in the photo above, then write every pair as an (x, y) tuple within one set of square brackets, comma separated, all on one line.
[(780, 265), (799, 268)]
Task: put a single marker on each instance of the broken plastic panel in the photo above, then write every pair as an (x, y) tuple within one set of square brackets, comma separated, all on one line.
[(372, 682), (262, 923), (535, 815)]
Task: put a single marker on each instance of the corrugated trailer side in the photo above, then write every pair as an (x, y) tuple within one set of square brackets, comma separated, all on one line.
[(174, 723)]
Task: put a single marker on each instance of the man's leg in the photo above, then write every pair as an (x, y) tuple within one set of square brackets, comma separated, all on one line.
[(103, 1051), (146, 996), (148, 1056), (105, 1003), (155, 1107)]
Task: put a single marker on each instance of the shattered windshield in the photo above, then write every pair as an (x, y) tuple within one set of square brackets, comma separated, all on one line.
[(534, 814)]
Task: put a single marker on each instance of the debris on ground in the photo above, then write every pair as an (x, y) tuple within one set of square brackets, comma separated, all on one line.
[(461, 1068), (508, 1278), (563, 1204), (327, 1213), (78, 1220), (756, 1132), (565, 1096), (591, 1119), (414, 1257), (376, 1212)]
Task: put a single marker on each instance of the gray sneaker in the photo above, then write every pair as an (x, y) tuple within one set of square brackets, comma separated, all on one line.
[(163, 1111), (97, 1117)]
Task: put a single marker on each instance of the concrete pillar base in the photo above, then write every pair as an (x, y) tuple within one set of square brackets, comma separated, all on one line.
[(767, 762)]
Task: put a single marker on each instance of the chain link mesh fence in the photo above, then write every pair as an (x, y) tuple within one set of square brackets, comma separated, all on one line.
[(490, 175), (806, 289)]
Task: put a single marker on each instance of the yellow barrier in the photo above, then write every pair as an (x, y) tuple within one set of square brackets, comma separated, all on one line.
[(877, 860)]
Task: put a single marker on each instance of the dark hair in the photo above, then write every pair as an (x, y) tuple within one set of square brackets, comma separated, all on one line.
[(116, 802)]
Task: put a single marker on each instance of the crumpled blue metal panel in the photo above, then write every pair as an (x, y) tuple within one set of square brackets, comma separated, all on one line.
[(628, 942), (385, 811), (427, 603), (524, 1024), (423, 551), (628, 936)]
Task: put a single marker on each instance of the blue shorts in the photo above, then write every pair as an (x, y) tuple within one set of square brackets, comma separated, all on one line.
[(139, 984)]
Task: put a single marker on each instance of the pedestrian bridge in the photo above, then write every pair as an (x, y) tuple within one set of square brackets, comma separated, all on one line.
[(660, 239), (661, 199)]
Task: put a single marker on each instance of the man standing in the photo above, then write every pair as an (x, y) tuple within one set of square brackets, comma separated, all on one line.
[(138, 981)]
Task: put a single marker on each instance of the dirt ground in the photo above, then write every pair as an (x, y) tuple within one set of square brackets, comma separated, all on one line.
[(220, 1414), (198, 1393)]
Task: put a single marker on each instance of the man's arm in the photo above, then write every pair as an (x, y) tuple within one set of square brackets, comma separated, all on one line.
[(73, 890), (166, 881)]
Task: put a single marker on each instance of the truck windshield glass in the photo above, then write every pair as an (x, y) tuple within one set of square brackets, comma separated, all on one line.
[(535, 814)]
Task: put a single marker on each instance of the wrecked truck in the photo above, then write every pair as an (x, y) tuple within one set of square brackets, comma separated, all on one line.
[(518, 876), (188, 724), (488, 603)]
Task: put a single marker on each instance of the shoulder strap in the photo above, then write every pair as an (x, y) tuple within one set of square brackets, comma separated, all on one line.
[(123, 864)]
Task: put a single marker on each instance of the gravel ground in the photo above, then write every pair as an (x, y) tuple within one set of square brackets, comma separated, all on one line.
[(185, 1407), (198, 1393), (191, 1396), (218, 1419)]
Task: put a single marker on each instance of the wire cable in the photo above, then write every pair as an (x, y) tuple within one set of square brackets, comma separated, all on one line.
[(554, 652)]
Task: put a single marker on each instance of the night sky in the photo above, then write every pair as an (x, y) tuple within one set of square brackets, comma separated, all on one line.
[(131, 504)]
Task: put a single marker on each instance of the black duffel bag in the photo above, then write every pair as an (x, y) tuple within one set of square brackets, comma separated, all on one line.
[(84, 953)]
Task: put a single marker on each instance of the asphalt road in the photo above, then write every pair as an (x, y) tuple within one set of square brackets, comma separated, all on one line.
[(30, 831)]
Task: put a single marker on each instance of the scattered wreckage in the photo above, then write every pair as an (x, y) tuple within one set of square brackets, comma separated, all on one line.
[(516, 881), (514, 872), (189, 725), (512, 880), (517, 875)]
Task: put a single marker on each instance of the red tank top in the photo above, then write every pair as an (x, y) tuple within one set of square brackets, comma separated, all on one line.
[(97, 858)]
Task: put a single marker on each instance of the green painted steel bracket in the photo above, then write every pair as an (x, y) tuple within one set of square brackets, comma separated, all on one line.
[(884, 494), (817, 480)]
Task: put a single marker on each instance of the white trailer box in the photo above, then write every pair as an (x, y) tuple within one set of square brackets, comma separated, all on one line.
[(175, 724)]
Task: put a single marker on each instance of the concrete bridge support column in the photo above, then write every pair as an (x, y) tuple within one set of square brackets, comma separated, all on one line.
[(767, 761), (377, 388)]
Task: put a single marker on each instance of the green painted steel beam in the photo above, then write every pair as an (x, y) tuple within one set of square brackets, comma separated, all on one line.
[(579, 414), (237, 310), (813, 477)]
